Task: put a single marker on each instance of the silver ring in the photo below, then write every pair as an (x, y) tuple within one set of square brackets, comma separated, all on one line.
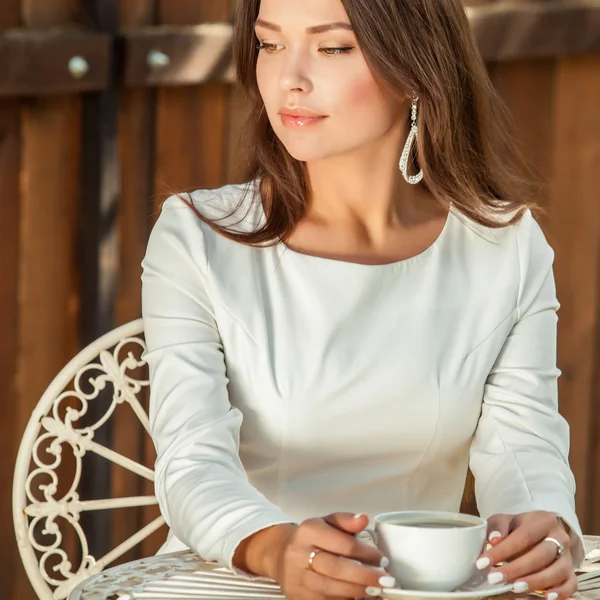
[(561, 548), (311, 557)]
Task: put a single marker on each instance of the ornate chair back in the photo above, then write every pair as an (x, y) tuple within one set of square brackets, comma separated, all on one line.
[(81, 399)]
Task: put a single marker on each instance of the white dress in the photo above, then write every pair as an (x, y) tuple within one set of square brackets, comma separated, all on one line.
[(285, 386)]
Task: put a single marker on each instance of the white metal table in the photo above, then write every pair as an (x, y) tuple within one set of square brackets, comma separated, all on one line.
[(177, 576), (185, 576)]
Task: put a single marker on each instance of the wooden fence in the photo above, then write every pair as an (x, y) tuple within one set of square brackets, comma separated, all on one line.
[(89, 147)]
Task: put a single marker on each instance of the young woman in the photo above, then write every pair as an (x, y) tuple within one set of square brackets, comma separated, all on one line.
[(371, 313)]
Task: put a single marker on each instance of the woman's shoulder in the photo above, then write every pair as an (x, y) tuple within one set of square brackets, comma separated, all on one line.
[(237, 207), (523, 235), (518, 252)]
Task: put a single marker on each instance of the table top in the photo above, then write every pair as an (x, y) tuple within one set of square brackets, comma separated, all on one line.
[(184, 575), (177, 576)]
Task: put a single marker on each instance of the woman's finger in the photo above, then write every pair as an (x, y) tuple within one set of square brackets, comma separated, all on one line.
[(554, 576), (350, 571), (527, 534), (325, 586), (498, 527), (348, 522), (317, 533), (566, 590), (536, 560), (551, 575)]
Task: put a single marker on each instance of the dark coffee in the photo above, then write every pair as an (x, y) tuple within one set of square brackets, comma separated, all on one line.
[(434, 523)]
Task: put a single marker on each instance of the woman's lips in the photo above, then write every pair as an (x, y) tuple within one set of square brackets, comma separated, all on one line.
[(299, 120)]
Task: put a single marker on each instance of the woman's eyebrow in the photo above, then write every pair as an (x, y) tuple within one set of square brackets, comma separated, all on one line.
[(310, 30)]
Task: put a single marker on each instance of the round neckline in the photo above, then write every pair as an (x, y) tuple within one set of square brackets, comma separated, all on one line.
[(284, 249)]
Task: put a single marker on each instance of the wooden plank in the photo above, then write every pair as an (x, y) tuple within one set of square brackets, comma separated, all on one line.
[(11, 569), (48, 322), (509, 30), (10, 14), (576, 226), (136, 139), (186, 12), (234, 161), (137, 152), (528, 90), (192, 55), (137, 13), (539, 97), (237, 104), (10, 155), (184, 117), (187, 115), (51, 12), (37, 62)]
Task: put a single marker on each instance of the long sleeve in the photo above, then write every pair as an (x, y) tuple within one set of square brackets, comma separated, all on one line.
[(201, 485), (519, 455)]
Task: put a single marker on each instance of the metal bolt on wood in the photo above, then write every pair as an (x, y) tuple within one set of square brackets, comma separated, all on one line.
[(79, 67), (158, 59)]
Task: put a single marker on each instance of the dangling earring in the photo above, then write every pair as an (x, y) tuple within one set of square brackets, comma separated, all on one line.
[(412, 138)]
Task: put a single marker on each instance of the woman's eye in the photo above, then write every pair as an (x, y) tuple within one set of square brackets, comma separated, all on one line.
[(336, 51), (270, 48)]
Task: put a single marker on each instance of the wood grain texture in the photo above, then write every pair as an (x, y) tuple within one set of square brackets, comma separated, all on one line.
[(197, 54), (190, 121), (51, 12), (554, 108), (508, 30), (575, 219), (10, 14), (39, 62), (134, 13), (48, 270), (528, 90), (235, 161), (12, 575), (10, 163), (10, 167)]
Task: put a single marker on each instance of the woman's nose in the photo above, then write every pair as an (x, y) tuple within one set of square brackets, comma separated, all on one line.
[(294, 76)]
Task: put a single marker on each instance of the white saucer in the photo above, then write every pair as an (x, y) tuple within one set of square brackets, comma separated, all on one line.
[(476, 588)]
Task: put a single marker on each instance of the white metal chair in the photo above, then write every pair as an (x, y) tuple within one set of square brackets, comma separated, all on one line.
[(107, 371)]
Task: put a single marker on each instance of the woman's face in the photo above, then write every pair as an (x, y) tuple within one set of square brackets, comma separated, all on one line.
[(320, 73)]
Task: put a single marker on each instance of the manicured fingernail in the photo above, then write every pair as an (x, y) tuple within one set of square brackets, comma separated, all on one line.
[(552, 596), (483, 562), (520, 587), (360, 516), (494, 534), (387, 581), (385, 562), (373, 592), (496, 577)]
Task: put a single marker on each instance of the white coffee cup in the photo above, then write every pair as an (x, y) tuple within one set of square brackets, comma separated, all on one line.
[(430, 550)]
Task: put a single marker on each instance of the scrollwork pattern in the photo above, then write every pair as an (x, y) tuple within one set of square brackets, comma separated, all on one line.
[(115, 371)]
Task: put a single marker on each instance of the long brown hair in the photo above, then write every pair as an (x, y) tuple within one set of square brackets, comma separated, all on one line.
[(464, 145)]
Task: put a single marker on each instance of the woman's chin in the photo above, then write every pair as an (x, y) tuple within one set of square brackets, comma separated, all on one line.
[(304, 155)]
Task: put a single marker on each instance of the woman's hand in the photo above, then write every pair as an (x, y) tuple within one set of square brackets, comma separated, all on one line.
[(531, 563), (342, 566)]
